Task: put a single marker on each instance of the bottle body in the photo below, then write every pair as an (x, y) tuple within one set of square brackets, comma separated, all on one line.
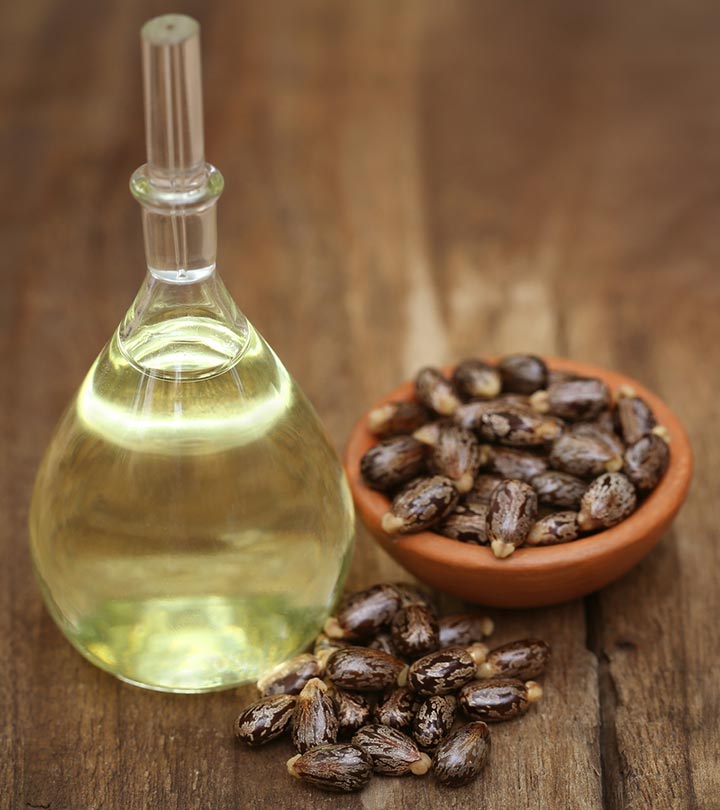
[(191, 524)]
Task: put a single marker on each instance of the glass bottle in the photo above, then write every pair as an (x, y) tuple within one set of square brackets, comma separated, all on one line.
[(191, 524)]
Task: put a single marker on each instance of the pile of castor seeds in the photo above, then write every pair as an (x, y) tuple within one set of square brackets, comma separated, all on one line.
[(513, 454), (390, 688)]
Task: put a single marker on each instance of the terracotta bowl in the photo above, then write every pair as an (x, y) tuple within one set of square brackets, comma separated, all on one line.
[(534, 576)]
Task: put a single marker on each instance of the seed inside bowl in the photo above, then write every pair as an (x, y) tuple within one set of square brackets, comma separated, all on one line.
[(547, 442)]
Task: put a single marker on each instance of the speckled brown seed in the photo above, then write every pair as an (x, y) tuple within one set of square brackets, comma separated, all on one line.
[(582, 398), (338, 768), (584, 455), (609, 499), (393, 462), (646, 461), (461, 629), (383, 641), (420, 505), (433, 720), (477, 379), (457, 455), (265, 719), (518, 428), (462, 755), (362, 614), (440, 672), (412, 594), (353, 710), (524, 659), (397, 709), (466, 524), (397, 418), (289, 677), (498, 699), (511, 514), (634, 417), (414, 631), (559, 489), (595, 431), (361, 669), (469, 414), (391, 752), (434, 391), (523, 373), (558, 527), (519, 464), (314, 720)]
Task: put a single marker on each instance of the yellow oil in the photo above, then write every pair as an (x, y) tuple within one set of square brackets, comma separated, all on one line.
[(191, 525)]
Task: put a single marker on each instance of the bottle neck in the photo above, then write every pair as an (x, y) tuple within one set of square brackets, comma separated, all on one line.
[(179, 223)]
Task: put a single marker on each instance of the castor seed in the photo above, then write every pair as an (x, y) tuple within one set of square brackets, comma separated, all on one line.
[(383, 641), (477, 379), (582, 398), (265, 719), (412, 594), (420, 505), (457, 455), (519, 464), (433, 720), (361, 669), (523, 659), (518, 428), (482, 489), (397, 418), (584, 455), (314, 720), (559, 489), (289, 677), (390, 751), (461, 756), (362, 614), (523, 373), (634, 417), (397, 709), (608, 500), (393, 462), (461, 629), (338, 768), (353, 709), (511, 514), (440, 672), (558, 527), (434, 391), (414, 631), (646, 461), (498, 699), (466, 524)]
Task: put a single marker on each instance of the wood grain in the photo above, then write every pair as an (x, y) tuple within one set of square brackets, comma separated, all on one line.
[(407, 182)]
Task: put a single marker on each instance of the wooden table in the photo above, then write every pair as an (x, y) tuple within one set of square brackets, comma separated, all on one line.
[(407, 182)]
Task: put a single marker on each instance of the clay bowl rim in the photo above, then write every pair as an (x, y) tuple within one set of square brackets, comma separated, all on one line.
[(656, 511)]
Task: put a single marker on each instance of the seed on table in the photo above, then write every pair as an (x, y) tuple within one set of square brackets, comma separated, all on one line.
[(414, 631), (498, 699), (362, 614), (420, 505), (393, 462), (412, 594), (519, 464), (477, 379), (265, 719), (559, 489), (436, 392), (518, 428), (468, 525), (558, 527), (523, 373), (314, 720), (633, 415), (440, 672), (338, 768), (433, 720), (461, 629), (383, 641), (289, 677), (391, 752), (608, 500), (462, 755), (456, 454), (582, 398), (396, 418), (361, 669), (353, 709), (525, 659), (646, 461), (397, 709), (584, 455), (511, 514)]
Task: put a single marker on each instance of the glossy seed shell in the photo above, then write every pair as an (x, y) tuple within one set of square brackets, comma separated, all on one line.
[(383, 641), (338, 768), (456, 455), (433, 720), (314, 720), (393, 462), (646, 461), (461, 629), (362, 614), (289, 677), (523, 373), (353, 710), (461, 756), (519, 464), (466, 525), (582, 398), (584, 455), (558, 527), (524, 659), (634, 418), (559, 489), (434, 391), (477, 379), (413, 594), (420, 505), (391, 752), (482, 489), (495, 700), (511, 514), (518, 428), (397, 418), (265, 719), (414, 631), (609, 499), (361, 669), (397, 709), (441, 672)]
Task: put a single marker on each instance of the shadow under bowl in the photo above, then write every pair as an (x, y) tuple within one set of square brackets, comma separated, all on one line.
[(531, 577)]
